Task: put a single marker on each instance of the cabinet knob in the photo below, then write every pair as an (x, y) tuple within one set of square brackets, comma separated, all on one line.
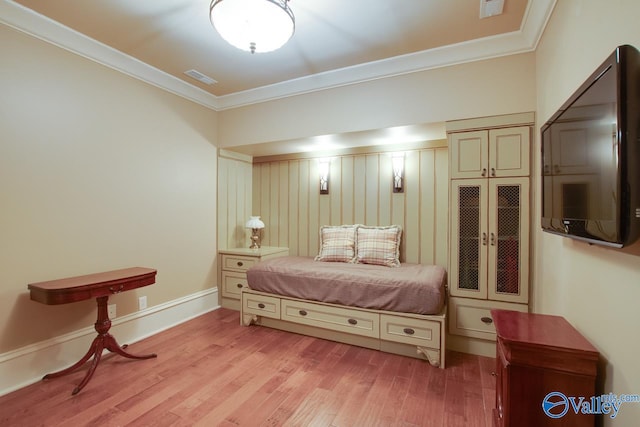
[(484, 239), (493, 171), (352, 321), (484, 172), (493, 239), (261, 305), (487, 320), (240, 264), (408, 331), (239, 285), (302, 312)]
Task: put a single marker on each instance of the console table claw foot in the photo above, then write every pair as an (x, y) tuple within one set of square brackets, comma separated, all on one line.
[(98, 286)]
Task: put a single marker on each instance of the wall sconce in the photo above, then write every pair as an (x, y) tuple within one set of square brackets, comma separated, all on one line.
[(255, 225), (397, 161), (323, 168)]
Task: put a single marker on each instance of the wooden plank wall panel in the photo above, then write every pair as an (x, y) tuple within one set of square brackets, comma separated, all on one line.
[(347, 190), (286, 195), (235, 188), (427, 206), (442, 207), (359, 180)]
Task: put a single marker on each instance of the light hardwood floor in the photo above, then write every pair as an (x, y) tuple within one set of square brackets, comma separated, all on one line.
[(212, 371)]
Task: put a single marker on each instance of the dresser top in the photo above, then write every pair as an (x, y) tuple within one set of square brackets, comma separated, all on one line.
[(540, 330), (260, 252)]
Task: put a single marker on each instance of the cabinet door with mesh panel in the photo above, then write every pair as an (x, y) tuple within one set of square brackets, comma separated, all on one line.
[(508, 239), (469, 238)]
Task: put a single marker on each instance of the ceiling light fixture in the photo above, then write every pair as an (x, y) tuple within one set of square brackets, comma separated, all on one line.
[(253, 25)]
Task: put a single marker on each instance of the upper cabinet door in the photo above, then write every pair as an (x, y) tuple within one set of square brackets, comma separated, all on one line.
[(495, 153), (509, 152), (469, 153)]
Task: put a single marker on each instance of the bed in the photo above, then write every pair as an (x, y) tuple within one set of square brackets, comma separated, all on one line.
[(399, 309)]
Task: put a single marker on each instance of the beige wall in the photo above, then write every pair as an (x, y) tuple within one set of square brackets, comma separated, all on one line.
[(485, 88), (286, 195), (596, 289), (98, 171)]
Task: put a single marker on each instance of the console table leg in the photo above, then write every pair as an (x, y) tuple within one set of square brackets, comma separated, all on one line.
[(111, 344), (103, 341), (91, 352), (94, 364)]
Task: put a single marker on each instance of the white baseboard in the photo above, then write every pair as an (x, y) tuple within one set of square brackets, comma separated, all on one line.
[(27, 365), (471, 345)]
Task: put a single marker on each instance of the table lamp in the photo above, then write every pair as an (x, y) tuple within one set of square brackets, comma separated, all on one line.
[(255, 225)]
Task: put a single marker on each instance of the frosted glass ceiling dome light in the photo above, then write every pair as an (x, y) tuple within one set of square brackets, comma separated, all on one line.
[(253, 25)]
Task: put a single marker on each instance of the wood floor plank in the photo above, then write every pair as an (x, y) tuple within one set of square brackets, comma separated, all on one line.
[(213, 371)]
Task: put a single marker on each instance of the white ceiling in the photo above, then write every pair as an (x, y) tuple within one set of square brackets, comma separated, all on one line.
[(336, 42)]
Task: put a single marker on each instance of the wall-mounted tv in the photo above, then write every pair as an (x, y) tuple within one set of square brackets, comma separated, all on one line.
[(591, 157)]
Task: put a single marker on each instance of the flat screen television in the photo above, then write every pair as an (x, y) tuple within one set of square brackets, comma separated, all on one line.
[(591, 157)]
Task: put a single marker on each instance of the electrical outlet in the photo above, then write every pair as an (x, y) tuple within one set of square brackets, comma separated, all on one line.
[(142, 303), (111, 311)]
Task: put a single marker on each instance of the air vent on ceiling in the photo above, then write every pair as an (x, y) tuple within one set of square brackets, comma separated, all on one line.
[(489, 8), (200, 77)]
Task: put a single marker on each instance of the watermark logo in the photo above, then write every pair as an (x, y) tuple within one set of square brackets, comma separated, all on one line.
[(557, 404)]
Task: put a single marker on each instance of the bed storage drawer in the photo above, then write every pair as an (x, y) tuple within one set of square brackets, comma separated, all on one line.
[(238, 262), (260, 305), (233, 283), (334, 318), (412, 331)]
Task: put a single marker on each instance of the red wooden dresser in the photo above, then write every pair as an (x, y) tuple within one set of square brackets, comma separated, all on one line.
[(536, 355)]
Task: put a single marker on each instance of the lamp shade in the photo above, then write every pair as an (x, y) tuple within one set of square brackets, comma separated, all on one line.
[(254, 222), (253, 25)]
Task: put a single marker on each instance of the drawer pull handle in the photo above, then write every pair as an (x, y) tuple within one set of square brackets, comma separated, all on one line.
[(352, 321), (487, 320), (240, 264), (239, 285), (409, 331), (302, 312), (261, 305)]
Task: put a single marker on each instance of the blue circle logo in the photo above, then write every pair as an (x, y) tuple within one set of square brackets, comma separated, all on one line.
[(555, 404)]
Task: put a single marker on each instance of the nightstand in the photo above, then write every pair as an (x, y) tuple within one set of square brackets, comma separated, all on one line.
[(234, 264), (541, 358)]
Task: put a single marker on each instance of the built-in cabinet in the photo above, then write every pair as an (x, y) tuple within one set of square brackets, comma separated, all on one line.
[(234, 264), (490, 221), (490, 153), (490, 238)]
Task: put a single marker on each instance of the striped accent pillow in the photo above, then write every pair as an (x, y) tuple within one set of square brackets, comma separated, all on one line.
[(337, 243), (379, 245)]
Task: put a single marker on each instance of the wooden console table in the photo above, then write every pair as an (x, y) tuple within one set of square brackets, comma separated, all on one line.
[(98, 286)]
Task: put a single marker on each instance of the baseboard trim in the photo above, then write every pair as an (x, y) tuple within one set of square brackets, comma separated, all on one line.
[(471, 345), (27, 365)]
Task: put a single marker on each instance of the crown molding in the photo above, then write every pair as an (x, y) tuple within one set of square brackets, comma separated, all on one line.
[(29, 22), (524, 40)]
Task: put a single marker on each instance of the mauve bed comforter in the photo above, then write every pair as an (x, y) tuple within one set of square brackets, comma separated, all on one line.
[(410, 288)]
